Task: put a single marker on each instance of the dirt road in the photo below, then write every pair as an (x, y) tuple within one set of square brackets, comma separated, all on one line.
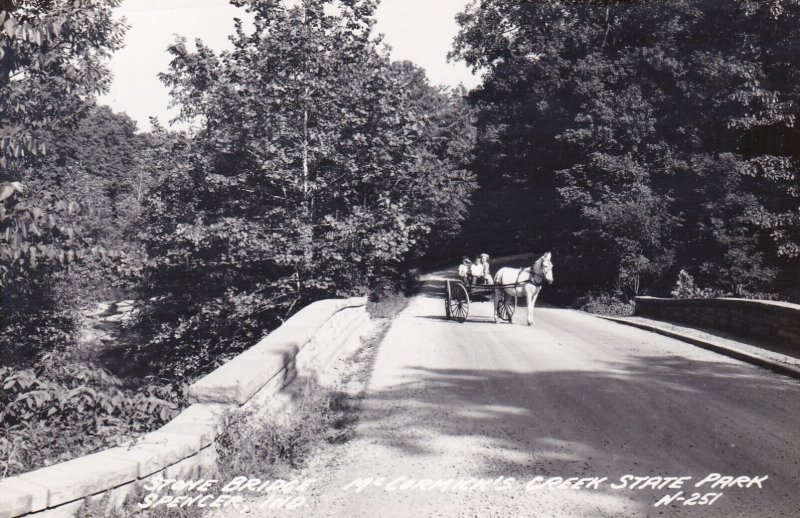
[(574, 398)]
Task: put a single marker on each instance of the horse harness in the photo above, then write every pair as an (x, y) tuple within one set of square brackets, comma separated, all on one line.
[(532, 279)]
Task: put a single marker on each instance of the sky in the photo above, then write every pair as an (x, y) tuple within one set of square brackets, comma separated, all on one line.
[(421, 31)]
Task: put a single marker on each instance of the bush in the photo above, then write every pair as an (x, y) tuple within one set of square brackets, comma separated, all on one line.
[(185, 337), (60, 409), (605, 304), (685, 287)]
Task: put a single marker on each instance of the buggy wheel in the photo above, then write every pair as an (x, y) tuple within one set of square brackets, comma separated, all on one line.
[(447, 301), (458, 303), (506, 307)]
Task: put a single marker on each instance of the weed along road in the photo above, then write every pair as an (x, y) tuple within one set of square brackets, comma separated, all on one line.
[(573, 417)]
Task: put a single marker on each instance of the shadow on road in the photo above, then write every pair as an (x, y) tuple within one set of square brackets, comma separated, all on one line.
[(482, 320), (652, 415), (433, 288)]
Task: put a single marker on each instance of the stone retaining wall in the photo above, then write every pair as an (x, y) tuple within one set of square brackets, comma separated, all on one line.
[(778, 321), (185, 446)]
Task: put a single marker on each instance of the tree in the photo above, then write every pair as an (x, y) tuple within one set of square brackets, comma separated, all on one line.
[(663, 143), (51, 60), (318, 168), (51, 65)]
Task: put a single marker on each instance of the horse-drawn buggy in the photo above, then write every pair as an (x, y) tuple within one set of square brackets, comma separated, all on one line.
[(507, 285), (457, 300)]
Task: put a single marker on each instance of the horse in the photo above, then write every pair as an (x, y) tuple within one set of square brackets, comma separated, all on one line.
[(519, 281)]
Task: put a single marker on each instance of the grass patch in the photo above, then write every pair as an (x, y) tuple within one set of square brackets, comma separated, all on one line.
[(102, 508), (269, 446), (386, 305)]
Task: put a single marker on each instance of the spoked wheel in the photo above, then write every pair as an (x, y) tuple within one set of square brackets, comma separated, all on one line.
[(447, 301), (506, 307), (457, 302)]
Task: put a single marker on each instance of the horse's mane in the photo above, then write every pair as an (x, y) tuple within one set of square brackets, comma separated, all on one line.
[(541, 259)]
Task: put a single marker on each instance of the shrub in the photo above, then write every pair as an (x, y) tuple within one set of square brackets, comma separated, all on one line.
[(60, 409), (685, 287), (604, 304)]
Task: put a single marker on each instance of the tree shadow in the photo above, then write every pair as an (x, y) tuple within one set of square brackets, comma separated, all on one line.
[(650, 415), (433, 288)]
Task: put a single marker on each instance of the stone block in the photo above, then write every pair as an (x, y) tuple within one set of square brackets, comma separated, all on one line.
[(760, 330), (68, 510), (201, 420), (239, 379), (741, 316), (38, 494), (187, 468), (156, 451), (116, 497), (77, 478), (14, 502), (207, 461), (789, 336)]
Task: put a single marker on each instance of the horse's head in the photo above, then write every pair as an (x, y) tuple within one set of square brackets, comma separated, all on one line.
[(543, 268)]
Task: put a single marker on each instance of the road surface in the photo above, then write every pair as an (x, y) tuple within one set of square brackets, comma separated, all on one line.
[(504, 411)]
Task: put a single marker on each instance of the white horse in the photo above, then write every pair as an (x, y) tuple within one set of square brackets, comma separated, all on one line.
[(527, 281)]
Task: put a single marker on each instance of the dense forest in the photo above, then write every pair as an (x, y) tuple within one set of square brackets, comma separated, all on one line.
[(639, 139), (651, 146)]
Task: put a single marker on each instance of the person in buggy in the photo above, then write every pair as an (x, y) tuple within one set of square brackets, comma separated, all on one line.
[(487, 274), (480, 270), (464, 271)]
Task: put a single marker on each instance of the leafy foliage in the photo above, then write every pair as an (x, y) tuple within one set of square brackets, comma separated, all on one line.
[(685, 287), (51, 64), (60, 253), (666, 145), (317, 168), (67, 204), (60, 409), (605, 304)]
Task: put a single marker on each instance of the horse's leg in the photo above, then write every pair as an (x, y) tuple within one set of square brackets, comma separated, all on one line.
[(529, 298), (534, 296), (496, 298)]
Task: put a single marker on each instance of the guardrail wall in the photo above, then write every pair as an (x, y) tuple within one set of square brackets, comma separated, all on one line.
[(186, 445), (778, 321)]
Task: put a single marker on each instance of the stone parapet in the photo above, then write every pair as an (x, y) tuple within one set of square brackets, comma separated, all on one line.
[(777, 321)]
